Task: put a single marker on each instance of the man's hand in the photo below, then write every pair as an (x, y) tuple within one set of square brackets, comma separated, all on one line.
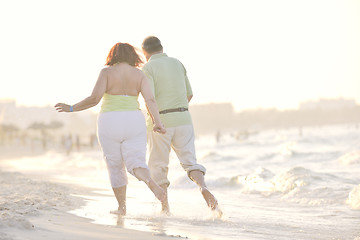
[(159, 128)]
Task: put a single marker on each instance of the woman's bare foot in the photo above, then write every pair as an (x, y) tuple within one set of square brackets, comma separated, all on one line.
[(121, 211), (120, 194), (157, 190), (209, 198)]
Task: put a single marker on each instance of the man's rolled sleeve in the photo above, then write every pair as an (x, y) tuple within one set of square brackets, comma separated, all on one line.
[(151, 80), (187, 83), (188, 87)]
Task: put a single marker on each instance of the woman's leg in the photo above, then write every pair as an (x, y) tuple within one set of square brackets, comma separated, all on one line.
[(120, 194), (118, 180), (110, 137), (143, 174), (133, 150)]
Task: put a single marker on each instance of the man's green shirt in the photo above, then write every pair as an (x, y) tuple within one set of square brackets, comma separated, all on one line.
[(171, 88)]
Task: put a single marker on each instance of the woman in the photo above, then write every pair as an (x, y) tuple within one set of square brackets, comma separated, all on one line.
[(121, 125)]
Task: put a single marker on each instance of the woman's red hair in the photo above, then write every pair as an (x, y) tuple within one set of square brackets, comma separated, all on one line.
[(123, 52)]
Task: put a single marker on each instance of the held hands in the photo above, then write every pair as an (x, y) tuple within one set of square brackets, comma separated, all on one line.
[(159, 128), (62, 107)]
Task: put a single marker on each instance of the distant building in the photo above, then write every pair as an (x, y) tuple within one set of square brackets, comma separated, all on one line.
[(82, 123), (212, 117), (7, 103), (328, 104)]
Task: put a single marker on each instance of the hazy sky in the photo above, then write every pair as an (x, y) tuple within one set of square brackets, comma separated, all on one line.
[(255, 53)]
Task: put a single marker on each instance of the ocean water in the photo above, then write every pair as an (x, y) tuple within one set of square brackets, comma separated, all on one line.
[(274, 184)]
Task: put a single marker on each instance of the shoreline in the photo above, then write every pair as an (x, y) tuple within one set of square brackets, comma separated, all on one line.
[(57, 225), (33, 209)]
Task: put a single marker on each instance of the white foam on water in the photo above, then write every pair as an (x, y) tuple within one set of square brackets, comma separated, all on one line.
[(350, 158), (354, 198)]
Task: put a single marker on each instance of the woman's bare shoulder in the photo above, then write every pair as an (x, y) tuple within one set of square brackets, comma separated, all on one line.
[(138, 72)]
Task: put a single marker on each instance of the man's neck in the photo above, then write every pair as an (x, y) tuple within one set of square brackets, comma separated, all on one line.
[(149, 56)]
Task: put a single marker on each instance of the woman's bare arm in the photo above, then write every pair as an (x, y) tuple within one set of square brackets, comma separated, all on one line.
[(92, 100)]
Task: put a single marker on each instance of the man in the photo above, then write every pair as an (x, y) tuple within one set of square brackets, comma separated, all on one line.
[(172, 92)]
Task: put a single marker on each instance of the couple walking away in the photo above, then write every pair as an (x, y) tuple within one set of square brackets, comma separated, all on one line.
[(122, 131)]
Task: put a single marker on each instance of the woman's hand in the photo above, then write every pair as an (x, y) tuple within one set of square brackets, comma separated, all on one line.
[(159, 128), (62, 107)]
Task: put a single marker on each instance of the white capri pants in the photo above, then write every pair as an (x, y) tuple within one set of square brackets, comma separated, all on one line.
[(122, 136)]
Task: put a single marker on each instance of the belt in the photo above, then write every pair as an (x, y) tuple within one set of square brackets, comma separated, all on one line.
[(181, 109)]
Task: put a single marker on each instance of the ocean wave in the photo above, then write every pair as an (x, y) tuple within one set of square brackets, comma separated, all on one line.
[(350, 158), (256, 182), (295, 178), (354, 198), (299, 185), (287, 148), (264, 180), (267, 183)]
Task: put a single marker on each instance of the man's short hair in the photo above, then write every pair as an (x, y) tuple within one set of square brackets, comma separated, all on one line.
[(152, 44)]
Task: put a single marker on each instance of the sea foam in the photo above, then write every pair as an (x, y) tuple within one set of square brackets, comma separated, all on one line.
[(354, 198), (350, 158)]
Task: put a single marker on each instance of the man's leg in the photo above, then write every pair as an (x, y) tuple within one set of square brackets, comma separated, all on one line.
[(159, 149), (184, 146), (165, 207), (198, 177)]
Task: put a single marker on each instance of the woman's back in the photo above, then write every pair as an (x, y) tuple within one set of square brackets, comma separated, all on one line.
[(123, 79), (123, 84)]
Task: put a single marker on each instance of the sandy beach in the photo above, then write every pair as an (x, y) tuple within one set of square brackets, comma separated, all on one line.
[(31, 207)]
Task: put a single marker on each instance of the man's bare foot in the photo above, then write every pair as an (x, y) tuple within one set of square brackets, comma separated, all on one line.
[(217, 213), (157, 190), (209, 198), (165, 209)]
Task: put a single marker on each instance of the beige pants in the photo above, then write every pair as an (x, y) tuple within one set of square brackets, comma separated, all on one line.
[(181, 140)]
